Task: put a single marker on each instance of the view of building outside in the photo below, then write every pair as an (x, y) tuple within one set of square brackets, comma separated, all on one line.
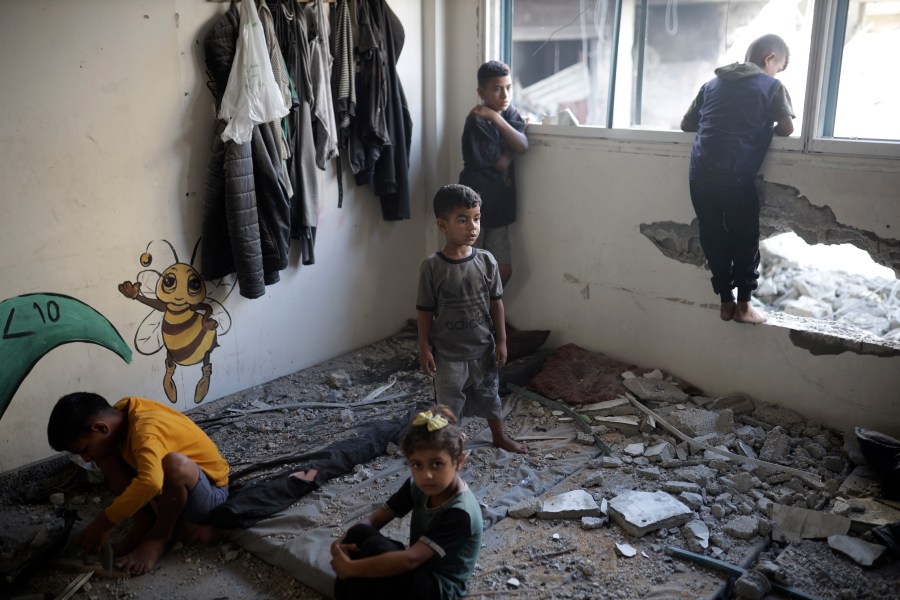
[(869, 93), (562, 54)]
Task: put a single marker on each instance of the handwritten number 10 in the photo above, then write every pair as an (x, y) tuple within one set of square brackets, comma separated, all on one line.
[(52, 311)]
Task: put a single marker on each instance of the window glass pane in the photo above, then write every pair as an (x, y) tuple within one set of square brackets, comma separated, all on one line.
[(561, 57), (868, 102), (672, 48)]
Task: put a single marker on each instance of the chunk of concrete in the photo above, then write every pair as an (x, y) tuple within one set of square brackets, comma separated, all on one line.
[(610, 462), (695, 422), (661, 451), (696, 535), (692, 500), (777, 446), (588, 523), (859, 551), (742, 528), (639, 513), (655, 390), (629, 425), (752, 585), (792, 522), (570, 505), (676, 487), (527, 508), (626, 550), (634, 449)]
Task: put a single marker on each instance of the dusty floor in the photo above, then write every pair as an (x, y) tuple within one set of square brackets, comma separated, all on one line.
[(521, 557)]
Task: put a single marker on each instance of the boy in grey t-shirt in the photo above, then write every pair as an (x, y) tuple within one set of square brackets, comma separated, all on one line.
[(462, 332)]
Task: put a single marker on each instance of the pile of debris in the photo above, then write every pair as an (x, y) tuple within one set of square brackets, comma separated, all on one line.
[(868, 303), (636, 485), (740, 487)]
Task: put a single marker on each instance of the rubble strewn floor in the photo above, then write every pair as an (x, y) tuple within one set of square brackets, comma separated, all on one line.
[(724, 503)]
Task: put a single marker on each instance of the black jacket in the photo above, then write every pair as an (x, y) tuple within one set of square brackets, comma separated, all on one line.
[(246, 208)]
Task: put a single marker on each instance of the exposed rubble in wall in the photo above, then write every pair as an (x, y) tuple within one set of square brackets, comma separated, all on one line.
[(782, 209), (863, 309), (867, 303), (688, 478)]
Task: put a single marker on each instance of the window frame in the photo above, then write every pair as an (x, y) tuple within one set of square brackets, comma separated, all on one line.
[(820, 104)]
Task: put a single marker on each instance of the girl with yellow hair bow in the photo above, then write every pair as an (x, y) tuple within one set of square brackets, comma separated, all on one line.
[(445, 526)]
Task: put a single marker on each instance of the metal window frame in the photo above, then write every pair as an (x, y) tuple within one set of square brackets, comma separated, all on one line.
[(823, 80)]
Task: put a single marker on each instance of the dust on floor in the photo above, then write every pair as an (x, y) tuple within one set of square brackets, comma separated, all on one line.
[(528, 557)]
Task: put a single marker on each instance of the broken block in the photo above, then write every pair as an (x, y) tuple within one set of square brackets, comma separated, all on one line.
[(742, 528), (662, 451), (629, 425), (626, 550), (634, 449), (859, 551), (752, 585), (570, 505), (695, 422), (696, 535), (639, 513), (777, 446), (791, 522), (588, 523), (656, 390), (525, 509)]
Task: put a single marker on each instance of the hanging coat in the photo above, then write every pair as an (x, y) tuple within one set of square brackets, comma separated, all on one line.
[(382, 132)]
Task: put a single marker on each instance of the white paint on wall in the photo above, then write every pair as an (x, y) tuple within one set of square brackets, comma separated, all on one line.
[(105, 130)]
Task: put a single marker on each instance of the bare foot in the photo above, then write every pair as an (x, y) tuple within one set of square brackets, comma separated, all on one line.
[(305, 475), (745, 313), (510, 445), (726, 311), (143, 558)]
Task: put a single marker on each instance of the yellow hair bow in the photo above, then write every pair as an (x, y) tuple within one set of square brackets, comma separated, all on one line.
[(434, 422)]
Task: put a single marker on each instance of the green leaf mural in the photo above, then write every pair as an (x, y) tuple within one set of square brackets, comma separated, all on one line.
[(35, 324)]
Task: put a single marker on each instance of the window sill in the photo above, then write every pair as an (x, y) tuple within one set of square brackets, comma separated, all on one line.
[(829, 338), (857, 148)]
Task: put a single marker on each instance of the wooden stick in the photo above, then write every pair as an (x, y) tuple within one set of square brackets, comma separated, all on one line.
[(75, 586), (83, 567)]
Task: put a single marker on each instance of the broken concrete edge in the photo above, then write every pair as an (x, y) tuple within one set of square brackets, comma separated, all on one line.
[(810, 478), (734, 570), (820, 343), (553, 404)]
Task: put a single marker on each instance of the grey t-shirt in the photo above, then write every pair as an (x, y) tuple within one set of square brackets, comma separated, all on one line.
[(459, 294)]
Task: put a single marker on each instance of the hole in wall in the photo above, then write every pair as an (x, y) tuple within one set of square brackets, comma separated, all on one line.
[(839, 283), (783, 209)]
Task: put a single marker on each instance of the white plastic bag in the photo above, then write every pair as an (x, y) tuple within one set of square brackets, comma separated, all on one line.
[(252, 96)]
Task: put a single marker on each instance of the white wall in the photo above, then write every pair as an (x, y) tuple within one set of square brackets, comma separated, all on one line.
[(105, 127), (584, 270)]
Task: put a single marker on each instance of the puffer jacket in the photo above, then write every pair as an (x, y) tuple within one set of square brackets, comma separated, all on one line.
[(246, 208)]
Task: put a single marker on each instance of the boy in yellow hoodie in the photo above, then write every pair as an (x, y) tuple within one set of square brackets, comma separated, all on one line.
[(157, 461)]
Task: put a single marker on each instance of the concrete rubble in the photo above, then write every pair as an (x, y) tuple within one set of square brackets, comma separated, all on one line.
[(867, 303), (859, 551), (606, 532)]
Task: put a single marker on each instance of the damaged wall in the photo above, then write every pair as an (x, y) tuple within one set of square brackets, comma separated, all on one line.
[(105, 133), (584, 270), (783, 208)]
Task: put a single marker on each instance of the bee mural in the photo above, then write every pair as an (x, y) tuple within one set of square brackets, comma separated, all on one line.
[(186, 321)]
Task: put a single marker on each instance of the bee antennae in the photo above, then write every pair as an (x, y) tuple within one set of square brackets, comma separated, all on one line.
[(172, 248)]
